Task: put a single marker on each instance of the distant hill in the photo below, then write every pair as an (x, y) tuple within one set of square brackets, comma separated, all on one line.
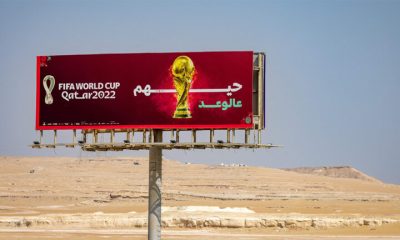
[(336, 172)]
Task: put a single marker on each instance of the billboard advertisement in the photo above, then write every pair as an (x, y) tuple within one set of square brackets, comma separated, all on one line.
[(184, 90)]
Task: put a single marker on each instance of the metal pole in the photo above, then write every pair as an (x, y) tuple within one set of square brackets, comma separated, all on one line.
[(74, 137), (128, 135), (260, 93), (155, 177), (151, 136), (193, 136), (112, 136), (144, 135), (172, 134)]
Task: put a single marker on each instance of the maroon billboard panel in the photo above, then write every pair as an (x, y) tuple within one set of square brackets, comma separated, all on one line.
[(191, 90)]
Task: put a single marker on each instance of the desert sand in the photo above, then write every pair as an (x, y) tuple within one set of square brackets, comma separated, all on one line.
[(97, 198)]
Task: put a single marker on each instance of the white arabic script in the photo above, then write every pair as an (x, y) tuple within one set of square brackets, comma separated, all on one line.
[(147, 91)]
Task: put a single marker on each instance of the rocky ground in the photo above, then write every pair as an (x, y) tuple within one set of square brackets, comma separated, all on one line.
[(69, 195)]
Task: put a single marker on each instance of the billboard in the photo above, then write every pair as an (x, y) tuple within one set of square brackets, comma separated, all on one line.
[(184, 90)]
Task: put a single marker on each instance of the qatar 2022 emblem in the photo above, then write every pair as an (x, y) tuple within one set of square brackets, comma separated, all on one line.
[(48, 87), (182, 72)]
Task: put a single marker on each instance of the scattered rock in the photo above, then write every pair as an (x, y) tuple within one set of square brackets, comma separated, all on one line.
[(253, 222), (132, 220), (113, 196), (232, 222)]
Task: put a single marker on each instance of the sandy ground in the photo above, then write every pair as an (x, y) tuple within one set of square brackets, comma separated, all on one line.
[(34, 186)]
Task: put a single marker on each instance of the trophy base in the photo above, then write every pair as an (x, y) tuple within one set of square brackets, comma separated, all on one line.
[(182, 113)]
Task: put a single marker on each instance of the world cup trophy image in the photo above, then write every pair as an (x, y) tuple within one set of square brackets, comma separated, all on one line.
[(182, 72)]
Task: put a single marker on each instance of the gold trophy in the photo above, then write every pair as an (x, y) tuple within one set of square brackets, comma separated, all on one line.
[(182, 72)]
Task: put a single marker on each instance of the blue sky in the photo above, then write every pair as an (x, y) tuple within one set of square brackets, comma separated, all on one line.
[(333, 72)]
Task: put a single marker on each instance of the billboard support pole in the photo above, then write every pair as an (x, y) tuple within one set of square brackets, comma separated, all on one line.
[(155, 180)]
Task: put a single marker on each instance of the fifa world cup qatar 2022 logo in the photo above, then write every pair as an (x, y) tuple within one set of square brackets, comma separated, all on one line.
[(48, 87), (182, 72)]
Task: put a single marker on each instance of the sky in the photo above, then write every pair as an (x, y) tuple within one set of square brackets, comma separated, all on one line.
[(332, 74)]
